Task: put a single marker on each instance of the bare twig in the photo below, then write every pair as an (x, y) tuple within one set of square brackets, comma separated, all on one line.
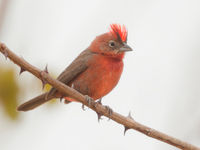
[(127, 122)]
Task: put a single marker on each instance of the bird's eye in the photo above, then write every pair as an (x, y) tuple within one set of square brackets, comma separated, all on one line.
[(111, 43)]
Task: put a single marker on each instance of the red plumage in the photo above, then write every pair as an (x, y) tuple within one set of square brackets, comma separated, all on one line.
[(100, 78)]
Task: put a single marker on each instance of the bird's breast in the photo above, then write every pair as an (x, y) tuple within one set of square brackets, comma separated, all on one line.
[(100, 78)]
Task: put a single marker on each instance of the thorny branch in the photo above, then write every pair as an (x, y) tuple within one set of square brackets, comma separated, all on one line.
[(128, 122)]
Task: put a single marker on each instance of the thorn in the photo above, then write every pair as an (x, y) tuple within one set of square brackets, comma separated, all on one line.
[(21, 70), (46, 69), (125, 129), (129, 115)]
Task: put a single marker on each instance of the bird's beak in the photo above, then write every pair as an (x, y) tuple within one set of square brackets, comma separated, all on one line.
[(125, 48)]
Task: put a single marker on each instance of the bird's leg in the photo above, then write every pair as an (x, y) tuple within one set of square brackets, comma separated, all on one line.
[(89, 101)]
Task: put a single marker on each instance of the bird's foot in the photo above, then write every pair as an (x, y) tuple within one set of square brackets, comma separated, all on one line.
[(89, 101), (99, 114)]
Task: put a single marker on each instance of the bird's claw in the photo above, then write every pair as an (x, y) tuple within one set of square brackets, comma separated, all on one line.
[(83, 107), (99, 116), (89, 101)]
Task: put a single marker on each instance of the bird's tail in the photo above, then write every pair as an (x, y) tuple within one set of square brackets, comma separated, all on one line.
[(35, 102)]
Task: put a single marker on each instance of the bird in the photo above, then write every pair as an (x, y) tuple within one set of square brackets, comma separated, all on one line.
[(95, 72)]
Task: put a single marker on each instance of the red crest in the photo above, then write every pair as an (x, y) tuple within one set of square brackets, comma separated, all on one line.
[(119, 31)]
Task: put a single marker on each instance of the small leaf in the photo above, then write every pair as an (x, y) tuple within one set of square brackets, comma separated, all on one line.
[(9, 92)]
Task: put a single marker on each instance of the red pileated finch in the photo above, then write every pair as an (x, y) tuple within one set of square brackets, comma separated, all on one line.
[(95, 72)]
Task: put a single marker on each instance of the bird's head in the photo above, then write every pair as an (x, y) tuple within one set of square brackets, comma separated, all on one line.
[(112, 43)]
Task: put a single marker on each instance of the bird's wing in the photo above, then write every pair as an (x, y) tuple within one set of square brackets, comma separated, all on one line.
[(79, 65)]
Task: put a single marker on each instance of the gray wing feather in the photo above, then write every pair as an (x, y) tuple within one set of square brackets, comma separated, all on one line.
[(79, 65)]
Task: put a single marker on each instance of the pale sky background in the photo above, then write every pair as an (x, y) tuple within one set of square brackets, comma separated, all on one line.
[(160, 84)]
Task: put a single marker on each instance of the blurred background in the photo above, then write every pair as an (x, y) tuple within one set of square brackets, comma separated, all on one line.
[(160, 84)]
